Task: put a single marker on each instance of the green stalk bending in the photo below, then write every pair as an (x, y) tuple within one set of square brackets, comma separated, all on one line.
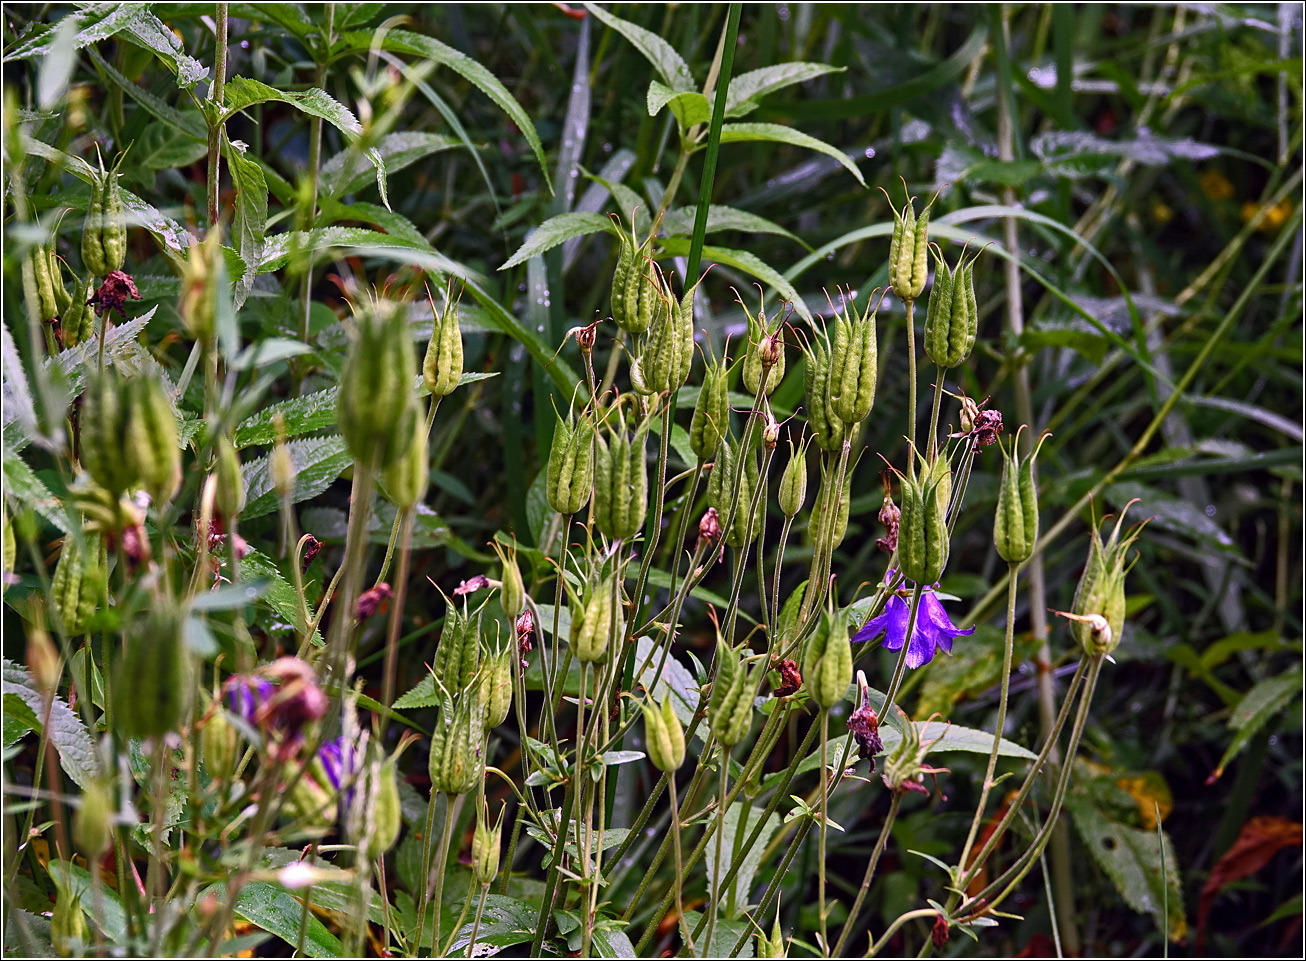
[(885, 830)]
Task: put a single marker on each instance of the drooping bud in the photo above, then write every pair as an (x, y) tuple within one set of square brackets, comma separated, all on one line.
[(669, 351), (827, 428), (907, 258), (711, 413), (952, 318), (485, 844), (43, 659), (570, 475), (152, 686), (595, 622), (458, 655), (405, 481), (793, 483), (664, 737), (230, 490), (621, 484), (370, 601), (828, 663), (923, 529), (770, 431), (152, 448), (442, 367), (376, 405), (93, 820), (78, 584), (1099, 606), (1015, 528), (730, 709), (764, 361), (103, 421), (854, 362)]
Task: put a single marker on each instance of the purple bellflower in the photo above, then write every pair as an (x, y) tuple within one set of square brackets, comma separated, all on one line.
[(934, 629)]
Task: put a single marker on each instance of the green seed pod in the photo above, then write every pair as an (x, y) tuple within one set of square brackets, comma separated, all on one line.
[(749, 516), (485, 844), (664, 738), (230, 499), (923, 529), (458, 655), (838, 513), (1015, 527), (376, 405), (442, 367), (571, 465), (219, 745), (711, 413), (951, 319), (593, 625), (621, 308), (61, 299), (793, 483), (512, 593), (940, 473), (827, 429), (103, 421), (853, 364), (1098, 610), (774, 946), (45, 294), (93, 258), (9, 541), (78, 320), (456, 765), (765, 356), (828, 662), (621, 484), (494, 682), (908, 265), (387, 809), (405, 481), (68, 931), (152, 448), (669, 352), (93, 820), (79, 582), (730, 709), (197, 304), (113, 223), (152, 686), (636, 303)]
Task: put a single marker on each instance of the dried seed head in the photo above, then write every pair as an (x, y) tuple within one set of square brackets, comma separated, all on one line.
[(889, 516), (312, 547), (709, 527), (370, 600), (790, 678)]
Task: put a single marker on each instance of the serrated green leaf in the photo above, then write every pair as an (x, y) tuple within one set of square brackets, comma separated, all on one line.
[(776, 133), (422, 694), (747, 89), (318, 462), (670, 66), (19, 719), (250, 226), (350, 170), (1258, 707), (557, 230), (745, 261), (679, 221), (188, 124), (276, 911), (160, 147), (65, 729), (689, 107)]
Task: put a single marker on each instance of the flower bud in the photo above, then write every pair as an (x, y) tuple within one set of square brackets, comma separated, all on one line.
[(405, 481), (774, 946), (93, 820), (512, 593), (571, 465), (1015, 528), (764, 360), (636, 300), (853, 363), (923, 529), (595, 623), (442, 367), (793, 483), (152, 686), (230, 489), (458, 655), (456, 765), (78, 584), (103, 421), (43, 659), (711, 413), (485, 844), (219, 745), (664, 737), (68, 931), (152, 448), (376, 405), (709, 526), (730, 708), (907, 259), (770, 431), (621, 484), (828, 663), (1098, 610), (827, 428), (495, 687), (281, 464), (669, 351), (952, 318)]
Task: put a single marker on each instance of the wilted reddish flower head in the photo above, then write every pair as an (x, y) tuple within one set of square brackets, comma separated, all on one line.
[(890, 516), (525, 628), (114, 293), (312, 547), (939, 933), (370, 600), (988, 424), (472, 585), (864, 724), (709, 526), (790, 679), (283, 698)]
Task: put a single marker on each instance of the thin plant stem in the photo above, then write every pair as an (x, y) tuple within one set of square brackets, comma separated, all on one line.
[(934, 414), (885, 830), (898, 922), (715, 907), (476, 925), (820, 851), (911, 376), (217, 94), (679, 882), (314, 165), (397, 613)]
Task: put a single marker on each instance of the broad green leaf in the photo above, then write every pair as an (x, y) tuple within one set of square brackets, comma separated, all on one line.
[(350, 171), (776, 133), (148, 31), (277, 594), (689, 106), (292, 17), (267, 351), (557, 230), (747, 89), (609, 942), (953, 737), (752, 858), (405, 41), (110, 916), (161, 147), (504, 922), (280, 248), (1258, 707), (674, 681), (19, 719), (745, 261), (276, 911), (250, 226), (1132, 858), (56, 68), (318, 462), (670, 65), (679, 221), (21, 483), (724, 937), (66, 731), (332, 211)]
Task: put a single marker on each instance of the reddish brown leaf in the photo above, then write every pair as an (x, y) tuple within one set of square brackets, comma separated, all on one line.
[(1258, 841)]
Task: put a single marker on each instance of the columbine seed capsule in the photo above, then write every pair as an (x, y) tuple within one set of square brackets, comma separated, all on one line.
[(104, 434), (1098, 610), (793, 483), (458, 655), (79, 581), (664, 737), (485, 844), (512, 592), (152, 684), (669, 352), (93, 821), (636, 300), (405, 481), (592, 627), (621, 484), (78, 320), (219, 744), (923, 529), (853, 364), (730, 709), (907, 257), (1015, 528), (711, 413), (442, 367), (828, 664), (230, 488), (764, 360), (952, 318), (456, 765), (376, 404), (496, 688), (827, 428), (571, 465), (826, 496), (152, 448)]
